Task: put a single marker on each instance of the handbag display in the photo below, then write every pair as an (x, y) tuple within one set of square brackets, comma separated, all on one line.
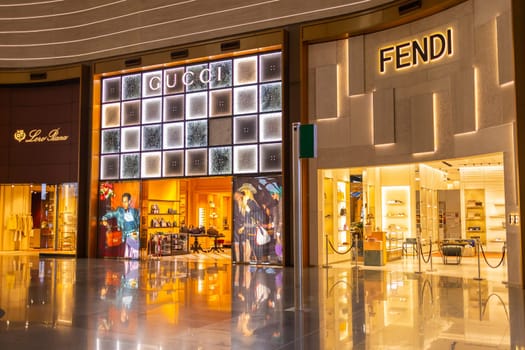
[(113, 238)]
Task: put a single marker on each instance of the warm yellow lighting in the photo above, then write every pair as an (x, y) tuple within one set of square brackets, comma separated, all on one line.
[(476, 97), (435, 115), (385, 145)]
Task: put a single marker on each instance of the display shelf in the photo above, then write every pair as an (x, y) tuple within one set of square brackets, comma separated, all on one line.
[(396, 219), (475, 224)]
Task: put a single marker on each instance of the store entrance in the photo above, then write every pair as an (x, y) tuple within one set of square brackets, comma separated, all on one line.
[(387, 208), (39, 217)]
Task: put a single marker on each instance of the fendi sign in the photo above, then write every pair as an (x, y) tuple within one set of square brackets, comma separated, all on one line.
[(411, 53)]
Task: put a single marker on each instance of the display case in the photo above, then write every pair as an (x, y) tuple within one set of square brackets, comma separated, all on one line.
[(162, 221), (396, 218), (475, 224)]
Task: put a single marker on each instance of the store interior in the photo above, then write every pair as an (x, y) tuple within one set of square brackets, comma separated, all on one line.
[(454, 200), (40, 217)]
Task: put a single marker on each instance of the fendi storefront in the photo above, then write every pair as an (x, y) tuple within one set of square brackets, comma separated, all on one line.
[(416, 134), (39, 161), (188, 153)]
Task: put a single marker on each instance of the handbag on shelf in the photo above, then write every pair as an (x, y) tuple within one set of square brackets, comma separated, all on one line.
[(113, 237)]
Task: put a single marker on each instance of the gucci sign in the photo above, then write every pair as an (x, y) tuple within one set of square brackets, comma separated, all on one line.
[(36, 135)]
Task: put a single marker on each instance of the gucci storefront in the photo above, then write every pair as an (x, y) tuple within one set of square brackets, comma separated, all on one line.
[(188, 155)]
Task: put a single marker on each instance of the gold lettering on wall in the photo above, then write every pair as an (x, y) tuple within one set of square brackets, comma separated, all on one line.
[(36, 135)]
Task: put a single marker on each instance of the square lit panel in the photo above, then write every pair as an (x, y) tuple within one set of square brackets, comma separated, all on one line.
[(173, 163), (173, 108), (270, 157), (111, 89), (245, 159), (245, 70), (131, 86), (130, 139), (130, 166), (270, 67), (221, 74), (111, 115), (270, 96), (152, 83), (131, 113), (196, 77), (196, 162), (173, 81), (109, 167), (245, 100), (221, 103), (151, 110), (220, 131), (220, 160), (173, 135), (245, 129), (150, 164), (270, 127), (197, 105), (151, 137), (110, 141), (197, 133)]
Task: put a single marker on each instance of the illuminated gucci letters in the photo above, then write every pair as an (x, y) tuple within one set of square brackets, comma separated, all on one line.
[(410, 53), (188, 78)]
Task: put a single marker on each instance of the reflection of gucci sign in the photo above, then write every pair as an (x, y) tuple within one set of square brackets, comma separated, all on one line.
[(35, 135)]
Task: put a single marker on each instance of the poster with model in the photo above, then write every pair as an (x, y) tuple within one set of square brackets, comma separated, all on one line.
[(257, 220), (119, 219)]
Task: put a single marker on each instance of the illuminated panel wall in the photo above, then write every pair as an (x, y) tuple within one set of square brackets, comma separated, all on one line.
[(216, 118)]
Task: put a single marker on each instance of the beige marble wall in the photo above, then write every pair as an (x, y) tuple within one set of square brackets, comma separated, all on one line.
[(53, 32)]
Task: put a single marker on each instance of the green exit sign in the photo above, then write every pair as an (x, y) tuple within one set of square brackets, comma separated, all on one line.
[(308, 141)]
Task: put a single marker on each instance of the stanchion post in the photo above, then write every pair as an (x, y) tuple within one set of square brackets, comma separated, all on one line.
[(431, 265), (478, 243), (419, 252), (326, 252), (297, 219)]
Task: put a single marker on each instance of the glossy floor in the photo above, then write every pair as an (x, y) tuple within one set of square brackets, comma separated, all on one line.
[(203, 302)]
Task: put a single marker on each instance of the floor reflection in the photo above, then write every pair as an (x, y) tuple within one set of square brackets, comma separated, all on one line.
[(211, 304)]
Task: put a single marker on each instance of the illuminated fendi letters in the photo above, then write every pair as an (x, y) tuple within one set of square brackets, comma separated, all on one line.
[(410, 53)]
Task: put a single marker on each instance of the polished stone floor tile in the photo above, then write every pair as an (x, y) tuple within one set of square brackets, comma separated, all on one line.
[(203, 302)]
